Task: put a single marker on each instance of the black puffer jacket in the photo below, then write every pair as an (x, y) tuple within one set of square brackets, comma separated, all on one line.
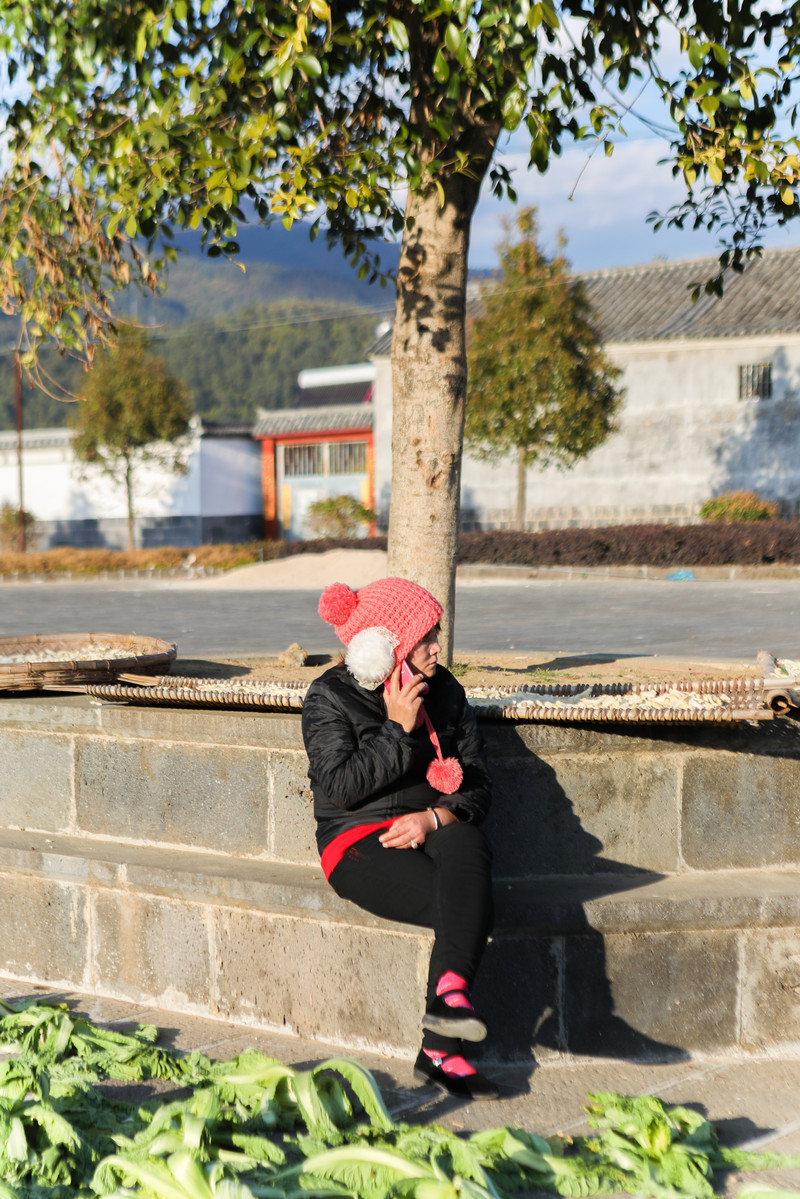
[(363, 767)]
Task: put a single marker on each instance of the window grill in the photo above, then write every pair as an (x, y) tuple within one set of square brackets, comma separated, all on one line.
[(755, 381), (325, 458), (303, 460), (348, 457)]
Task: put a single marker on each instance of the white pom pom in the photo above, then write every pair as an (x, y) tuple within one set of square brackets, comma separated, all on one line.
[(370, 656)]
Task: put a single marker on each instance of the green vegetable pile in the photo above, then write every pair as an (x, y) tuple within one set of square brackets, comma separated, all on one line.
[(253, 1128)]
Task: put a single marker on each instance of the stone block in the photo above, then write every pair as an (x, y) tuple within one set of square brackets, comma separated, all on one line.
[(292, 816), (261, 730), (45, 932), (584, 814), (63, 713), (328, 981), (151, 950), (652, 995), (36, 769), (740, 810), (180, 794), (771, 988)]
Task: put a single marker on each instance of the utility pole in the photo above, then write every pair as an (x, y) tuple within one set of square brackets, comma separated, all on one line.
[(18, 412)]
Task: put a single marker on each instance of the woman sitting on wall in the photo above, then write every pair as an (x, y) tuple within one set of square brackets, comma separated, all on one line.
[(400, 784)]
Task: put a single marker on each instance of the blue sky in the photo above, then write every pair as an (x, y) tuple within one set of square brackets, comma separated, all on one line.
[(604, 221)]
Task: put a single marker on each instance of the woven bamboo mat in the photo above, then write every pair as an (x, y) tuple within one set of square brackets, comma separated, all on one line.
[(714, 700), (63, 660)]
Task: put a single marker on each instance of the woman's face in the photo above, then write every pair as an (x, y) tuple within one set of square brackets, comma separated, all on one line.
[(422, 658)]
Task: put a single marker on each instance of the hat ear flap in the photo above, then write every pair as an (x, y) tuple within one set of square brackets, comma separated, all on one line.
[(370, 656)]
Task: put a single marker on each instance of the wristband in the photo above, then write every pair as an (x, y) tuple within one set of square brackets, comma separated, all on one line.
[(435, 816)]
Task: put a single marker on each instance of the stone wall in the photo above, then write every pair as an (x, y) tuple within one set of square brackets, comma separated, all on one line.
[(647, 882)]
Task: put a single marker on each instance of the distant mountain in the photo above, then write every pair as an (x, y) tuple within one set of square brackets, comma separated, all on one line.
[(279, 264), (296, 304)]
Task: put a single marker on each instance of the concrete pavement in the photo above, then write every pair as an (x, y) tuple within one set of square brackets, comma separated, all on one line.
[(728, 620)]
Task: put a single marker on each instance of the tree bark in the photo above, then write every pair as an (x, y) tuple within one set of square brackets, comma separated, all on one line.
[(520, 521), (429, 378), (129, 497)]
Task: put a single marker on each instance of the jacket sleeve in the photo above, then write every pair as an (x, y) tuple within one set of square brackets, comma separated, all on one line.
[(349, 773), (472, 800)]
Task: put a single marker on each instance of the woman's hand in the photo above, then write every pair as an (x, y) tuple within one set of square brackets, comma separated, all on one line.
[(403, 703), (410, 831)]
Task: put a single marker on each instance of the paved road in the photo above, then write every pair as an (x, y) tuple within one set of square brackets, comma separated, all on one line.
[(703, 620)]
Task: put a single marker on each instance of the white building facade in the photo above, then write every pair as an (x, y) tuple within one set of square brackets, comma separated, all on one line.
[(711, 403), (218, 498)]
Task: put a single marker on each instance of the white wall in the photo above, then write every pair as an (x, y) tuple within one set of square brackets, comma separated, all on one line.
[(230, 477), (683, 436), (223, 479)]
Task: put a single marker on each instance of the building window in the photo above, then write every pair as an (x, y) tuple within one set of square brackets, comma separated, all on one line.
[(348, 457), (755, 381), (325, 458), (303, 460)]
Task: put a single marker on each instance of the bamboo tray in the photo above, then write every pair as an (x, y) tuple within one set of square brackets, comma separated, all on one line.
[(39, 672), (718, 701)]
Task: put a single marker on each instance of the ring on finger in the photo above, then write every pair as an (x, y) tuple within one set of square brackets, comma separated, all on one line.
[(415, 844)]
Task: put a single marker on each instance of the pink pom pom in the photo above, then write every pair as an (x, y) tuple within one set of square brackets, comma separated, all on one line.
[(445, 774), (337, 604)]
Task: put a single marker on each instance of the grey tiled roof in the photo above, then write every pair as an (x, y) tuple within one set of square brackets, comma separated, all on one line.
[(313, 420), (654, 302), (37, 439), (381, 348), (648, 303)]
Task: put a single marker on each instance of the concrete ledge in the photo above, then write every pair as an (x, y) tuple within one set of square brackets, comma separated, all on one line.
[(608, 903), (569, 799), (632, 965)]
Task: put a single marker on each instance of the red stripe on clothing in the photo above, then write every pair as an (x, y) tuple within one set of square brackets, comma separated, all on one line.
[(335, 850)]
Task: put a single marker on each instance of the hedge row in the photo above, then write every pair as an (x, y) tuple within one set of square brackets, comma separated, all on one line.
[(754, 544)]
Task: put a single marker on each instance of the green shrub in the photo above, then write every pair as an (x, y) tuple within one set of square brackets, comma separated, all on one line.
[(736, 507), (338, 516), (9, 527)]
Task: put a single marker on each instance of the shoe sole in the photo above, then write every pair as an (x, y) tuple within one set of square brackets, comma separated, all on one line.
[(442, 1086), (467, 1028)]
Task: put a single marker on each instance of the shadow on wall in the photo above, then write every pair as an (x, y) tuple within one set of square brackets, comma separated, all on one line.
[(761, 452), (544, 980), (82, 534)]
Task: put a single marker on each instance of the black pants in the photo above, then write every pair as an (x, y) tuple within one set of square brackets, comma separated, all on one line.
[(445, 885)]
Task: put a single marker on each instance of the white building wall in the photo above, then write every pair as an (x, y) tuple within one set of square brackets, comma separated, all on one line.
[(230, 477), (683, 436), (222, 482)]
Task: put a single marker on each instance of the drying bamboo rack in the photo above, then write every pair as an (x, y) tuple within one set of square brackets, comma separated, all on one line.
[(705, 700), (145, 655)]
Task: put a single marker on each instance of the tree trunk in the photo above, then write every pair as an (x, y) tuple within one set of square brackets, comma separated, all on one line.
[(129, 497), (429, 377), (520, 520)]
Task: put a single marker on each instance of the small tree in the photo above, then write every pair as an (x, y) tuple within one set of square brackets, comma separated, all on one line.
[(132, 411), (540, 386)]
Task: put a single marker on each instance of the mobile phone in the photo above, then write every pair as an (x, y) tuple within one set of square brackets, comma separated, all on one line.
[(406, 673)]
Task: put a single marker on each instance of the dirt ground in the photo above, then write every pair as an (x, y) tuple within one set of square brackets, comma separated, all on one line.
[(489, 669)]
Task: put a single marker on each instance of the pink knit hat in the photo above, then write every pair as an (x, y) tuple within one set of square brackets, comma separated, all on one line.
[(406, 610), (380, 624)]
